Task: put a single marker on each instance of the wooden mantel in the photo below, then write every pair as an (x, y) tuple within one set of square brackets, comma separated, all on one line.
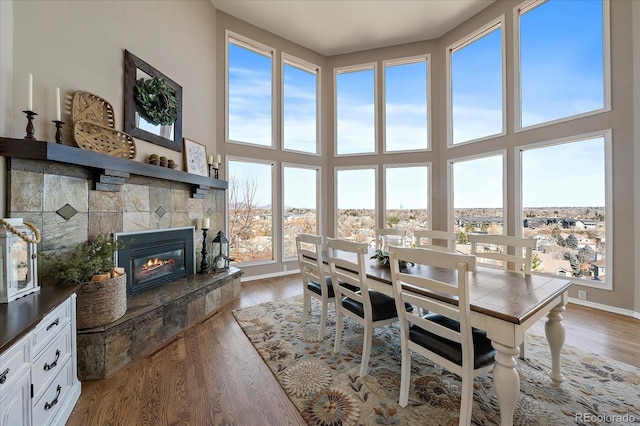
[(112, 171)]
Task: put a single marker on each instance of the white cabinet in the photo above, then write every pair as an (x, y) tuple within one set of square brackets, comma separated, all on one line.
[(38, 374)]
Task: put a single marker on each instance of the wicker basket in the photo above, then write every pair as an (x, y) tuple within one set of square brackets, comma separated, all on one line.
[(92, 108), (95, 137), (101, 302)]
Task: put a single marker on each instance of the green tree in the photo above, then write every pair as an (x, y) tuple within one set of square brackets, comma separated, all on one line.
[(536, 262), (462, 238), (392, 220), (586, 254), (555, 232), (572, 241), (573, 261)]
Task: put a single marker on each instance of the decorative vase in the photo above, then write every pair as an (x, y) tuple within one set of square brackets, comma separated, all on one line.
[(101, 302)]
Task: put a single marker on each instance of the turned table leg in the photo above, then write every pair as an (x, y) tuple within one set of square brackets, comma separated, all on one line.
[(506, 381), (555, 336)]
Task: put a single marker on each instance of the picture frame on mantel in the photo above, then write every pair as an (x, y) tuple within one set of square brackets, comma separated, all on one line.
[(195, 158), (137, 122)]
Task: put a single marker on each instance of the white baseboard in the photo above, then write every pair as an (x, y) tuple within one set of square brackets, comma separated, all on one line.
[(272, 275), (606, 308)]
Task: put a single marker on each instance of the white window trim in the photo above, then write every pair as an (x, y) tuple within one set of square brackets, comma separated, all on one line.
[(376, 208), (452, 48), (450, 186), (608, 208), (313, 69), (319, 209), (606, 51), (429, 167), (355, 68), (404, 61), (274, 208), (261, 49)]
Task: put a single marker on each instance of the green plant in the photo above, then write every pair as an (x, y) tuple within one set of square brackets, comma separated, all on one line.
[(85, 260), (156, 101), (383, 260)]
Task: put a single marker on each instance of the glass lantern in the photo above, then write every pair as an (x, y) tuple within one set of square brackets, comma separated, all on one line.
[(19, 266), (220, 252)]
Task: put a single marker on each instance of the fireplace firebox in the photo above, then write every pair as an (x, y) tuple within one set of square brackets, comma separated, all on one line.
[(157, 257)]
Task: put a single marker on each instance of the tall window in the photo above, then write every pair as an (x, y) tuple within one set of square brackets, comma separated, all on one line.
[(406, 117), (300, 201), (477, 86), (561, 59), (564, 207), (250, 211), (249, 101), (355, 111), (477, 197), (300, 106), (356, 201), (407, 197)]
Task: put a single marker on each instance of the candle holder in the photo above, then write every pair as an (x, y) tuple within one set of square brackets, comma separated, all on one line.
[(204, 265), (31, 130), (58, 130)]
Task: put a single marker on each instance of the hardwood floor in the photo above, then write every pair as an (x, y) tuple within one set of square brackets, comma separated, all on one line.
[(210, 374)]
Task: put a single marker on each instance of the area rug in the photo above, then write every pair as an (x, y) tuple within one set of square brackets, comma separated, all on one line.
[(326, 389)]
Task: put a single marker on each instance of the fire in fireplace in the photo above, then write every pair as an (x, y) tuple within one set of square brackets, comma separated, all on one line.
[(154, 258)]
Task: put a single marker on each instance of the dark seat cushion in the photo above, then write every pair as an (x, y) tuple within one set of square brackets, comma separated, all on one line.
[(382, 306), (483, 351), (317, 289)]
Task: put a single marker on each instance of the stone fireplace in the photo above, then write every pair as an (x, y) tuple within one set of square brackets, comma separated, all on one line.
[(73, 195)]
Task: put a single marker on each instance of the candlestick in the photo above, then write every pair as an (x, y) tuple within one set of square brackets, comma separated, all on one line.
[(30, 92), (215, 173), (58, 130), (31, 130), (57, 104), (204, 265)]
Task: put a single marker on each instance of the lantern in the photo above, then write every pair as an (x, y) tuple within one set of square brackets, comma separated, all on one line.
[(19, 266), (220, 252)]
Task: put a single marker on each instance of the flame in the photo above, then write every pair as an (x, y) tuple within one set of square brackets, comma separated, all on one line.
[(156, 263)]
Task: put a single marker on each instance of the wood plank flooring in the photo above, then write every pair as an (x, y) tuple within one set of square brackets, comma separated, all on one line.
[(210, 374)]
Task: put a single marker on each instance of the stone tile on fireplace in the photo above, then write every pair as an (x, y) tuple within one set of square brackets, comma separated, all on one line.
[(29, 195), (180, 200), (180, 219), (60, 234), (159, 222), (106, 202), (61, 190), (159, 197), (104, 223), (135, 221), (136, 198)]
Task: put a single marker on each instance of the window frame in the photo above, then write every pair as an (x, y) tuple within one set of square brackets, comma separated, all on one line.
[(376, 204), (344, 70), (608, 208), (429, 167), (405, 61), (498, 22), (261, 49), (291, 60), (606, 52)]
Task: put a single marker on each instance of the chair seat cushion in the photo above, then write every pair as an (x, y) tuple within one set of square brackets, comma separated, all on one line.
[(382, 306), (317, 288), (483, 351)]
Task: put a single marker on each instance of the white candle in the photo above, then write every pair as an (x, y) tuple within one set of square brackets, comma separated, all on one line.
[(210, 160), (30, 93), (205, 223), (218, 159), (58, 104)]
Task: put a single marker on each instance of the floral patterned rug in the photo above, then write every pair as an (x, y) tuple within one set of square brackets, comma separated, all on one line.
[(326, 389)]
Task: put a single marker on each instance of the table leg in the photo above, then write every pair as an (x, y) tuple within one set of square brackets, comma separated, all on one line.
[(555, 336), (506, 381)]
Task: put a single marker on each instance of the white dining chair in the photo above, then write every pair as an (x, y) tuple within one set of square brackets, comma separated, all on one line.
[(390, 237), (498, 247), (316, 282), (445, 335), (371, 309), (426, 238)]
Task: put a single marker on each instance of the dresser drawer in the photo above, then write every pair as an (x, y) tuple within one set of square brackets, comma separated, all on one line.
[(48, 363), (54, 396), (50, 325), (13, 363)]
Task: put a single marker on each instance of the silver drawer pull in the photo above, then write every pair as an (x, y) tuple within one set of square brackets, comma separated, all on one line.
[(3, 376), (49, 406), (54, 323), (48, 366)]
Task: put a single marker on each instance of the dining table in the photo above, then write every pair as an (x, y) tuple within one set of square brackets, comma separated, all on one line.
[(504, 304)]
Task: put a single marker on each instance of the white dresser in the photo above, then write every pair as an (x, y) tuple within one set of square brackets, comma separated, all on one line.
[(38, 372)]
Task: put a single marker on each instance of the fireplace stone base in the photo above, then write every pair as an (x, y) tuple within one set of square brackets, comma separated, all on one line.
[(153, 317)]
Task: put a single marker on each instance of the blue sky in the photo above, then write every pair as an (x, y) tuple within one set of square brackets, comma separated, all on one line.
[(562, 75)]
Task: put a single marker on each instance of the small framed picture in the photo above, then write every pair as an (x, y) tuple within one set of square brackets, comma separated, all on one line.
[(195, 158)]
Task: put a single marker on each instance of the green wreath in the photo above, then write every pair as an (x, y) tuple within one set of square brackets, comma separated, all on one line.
[(156, 101)]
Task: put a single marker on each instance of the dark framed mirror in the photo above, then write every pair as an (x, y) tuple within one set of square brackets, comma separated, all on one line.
[(152, 104)]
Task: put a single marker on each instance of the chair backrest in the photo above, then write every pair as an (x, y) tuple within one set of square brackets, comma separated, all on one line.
[(496, 248), (390, 237), (426, 293), (425, 238), (309, 249), (347, 265)]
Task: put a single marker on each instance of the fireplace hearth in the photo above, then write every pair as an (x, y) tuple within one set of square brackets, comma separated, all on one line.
[(157, 257)]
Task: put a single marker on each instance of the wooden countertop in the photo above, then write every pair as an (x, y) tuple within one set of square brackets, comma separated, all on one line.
[(18, 317)]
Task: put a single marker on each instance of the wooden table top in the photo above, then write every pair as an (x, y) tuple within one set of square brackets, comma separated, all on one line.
[(507, 295)]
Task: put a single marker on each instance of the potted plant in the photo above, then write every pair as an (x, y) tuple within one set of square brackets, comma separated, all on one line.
[(102, 297), (153, 159), (383, 260)]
